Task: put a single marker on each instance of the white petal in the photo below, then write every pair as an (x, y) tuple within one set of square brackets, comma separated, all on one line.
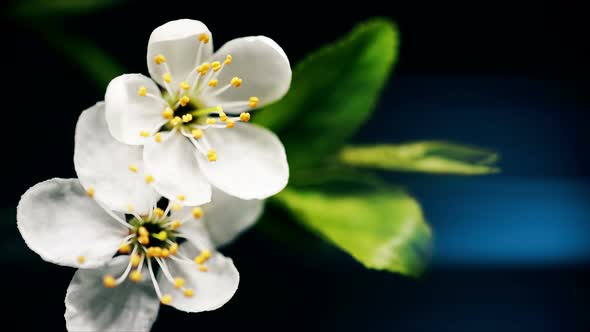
[(58, 221), (192, 229), (227, 217), (92, 307), (178, 41), (128, 113), (224, 218), (102, 163), (222, 221), (251, 161), (261, 64), (212, 289), (176, 172)]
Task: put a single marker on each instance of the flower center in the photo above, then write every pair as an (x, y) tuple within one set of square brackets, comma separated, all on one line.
[(184, 109), (153, 231), (153, 240)]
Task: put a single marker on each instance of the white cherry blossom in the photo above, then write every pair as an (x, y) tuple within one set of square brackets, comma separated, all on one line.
[(195, 131), (109, 226)]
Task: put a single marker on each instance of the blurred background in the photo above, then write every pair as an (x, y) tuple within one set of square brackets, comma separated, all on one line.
[(511, 250)]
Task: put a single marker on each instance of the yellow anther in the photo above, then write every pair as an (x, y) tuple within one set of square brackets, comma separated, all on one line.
[(187, 118), (90, 191), (157, 251), (175, 224), (81, 259), (144, 133), (211, 121), (178, 282), (173, 248), (253, 102), (158, 137), (184, 85), (109, 281), (124, 248), (162, 236), (135, 260), (197, 212), (168, 113), (150, 252), (142, 91), (197, 133), (176, 121), (215, 65), (144, 240), (203, 268), (167, 78), (228, 59), (212, 155), (130, 207), (176, 207), (188, 292), (184, 100), (158, 212), (165, 252), (203, 257), (213, 83), (143, 231), (222, 116), (206, 254), (204, 68), (199, 260), (204, 38), (245, 117), (159, 59), (236, 81), (230, 124), (133, 168), (166, 299), (181, 197), (149, 178), (135, 276)]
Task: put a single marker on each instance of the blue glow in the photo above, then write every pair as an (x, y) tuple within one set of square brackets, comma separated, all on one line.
[(504, 220), (537, 211)]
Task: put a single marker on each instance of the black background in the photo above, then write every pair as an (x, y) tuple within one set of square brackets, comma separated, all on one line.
[(478, 51)]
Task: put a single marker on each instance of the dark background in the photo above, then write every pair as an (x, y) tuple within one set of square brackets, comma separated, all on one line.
[(511, 250)]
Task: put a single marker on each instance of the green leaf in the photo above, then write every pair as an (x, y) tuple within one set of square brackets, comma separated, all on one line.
[(48, 8), (428, 156), (333, 92), (90, 58), (380, 226)]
